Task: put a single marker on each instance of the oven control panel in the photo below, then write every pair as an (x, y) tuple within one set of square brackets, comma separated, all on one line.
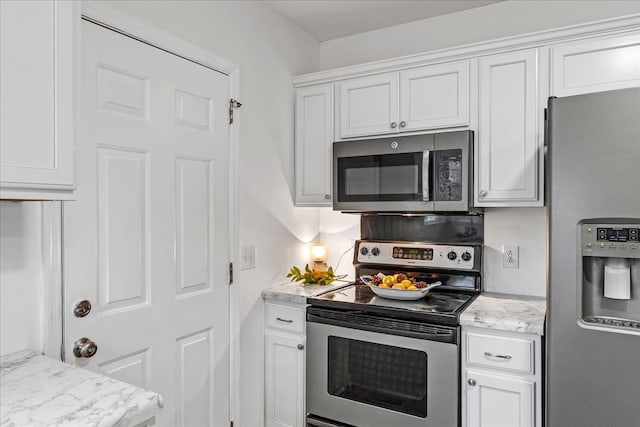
[(414, 254)]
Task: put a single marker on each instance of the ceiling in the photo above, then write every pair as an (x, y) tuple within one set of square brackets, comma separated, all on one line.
[(330, 19)]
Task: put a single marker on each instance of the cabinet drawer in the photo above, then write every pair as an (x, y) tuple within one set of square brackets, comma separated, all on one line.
[(509, 353), (285, 317)]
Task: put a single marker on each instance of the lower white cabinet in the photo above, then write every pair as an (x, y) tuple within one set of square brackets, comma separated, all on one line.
[(501, 379), (285, 356)]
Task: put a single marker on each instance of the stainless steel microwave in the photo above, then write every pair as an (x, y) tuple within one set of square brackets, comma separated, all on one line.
[(417, 173)]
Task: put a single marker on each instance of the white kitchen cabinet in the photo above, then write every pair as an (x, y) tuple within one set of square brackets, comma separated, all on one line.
[(368, 105), (285, 357), (37, 90), (595, 65), (435, 96), (429, 97), (510, 141), (313, 140), (501, 378)]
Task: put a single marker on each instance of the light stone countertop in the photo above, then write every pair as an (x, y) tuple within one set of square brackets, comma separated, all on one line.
[(297, 294), (40, 391), (515, 313)]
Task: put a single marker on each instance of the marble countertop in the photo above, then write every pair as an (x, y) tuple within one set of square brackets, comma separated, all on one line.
[(515, 313), (40, 391), (296, 293)]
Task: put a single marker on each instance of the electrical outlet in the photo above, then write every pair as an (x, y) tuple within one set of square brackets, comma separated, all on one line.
[(510, 256), (248, 257)]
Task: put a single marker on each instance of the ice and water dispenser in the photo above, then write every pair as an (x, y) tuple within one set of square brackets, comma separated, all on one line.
[(609, 292)]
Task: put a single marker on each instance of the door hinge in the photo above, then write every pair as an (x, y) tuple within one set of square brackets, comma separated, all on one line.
[(230, 273), (233, 103), (62, 355)]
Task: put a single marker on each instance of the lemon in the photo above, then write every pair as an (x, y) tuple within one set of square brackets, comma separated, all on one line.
[(383, 285), (398, 286), (412, 288), (406, 283), (389, 280)]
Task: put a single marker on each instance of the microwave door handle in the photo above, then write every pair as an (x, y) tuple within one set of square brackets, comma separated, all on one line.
[(426, 160)]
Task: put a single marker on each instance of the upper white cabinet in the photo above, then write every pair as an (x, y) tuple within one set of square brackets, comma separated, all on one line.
[(37, 77), (368, 106), (509, 150), (434, 97), (313, 139), (430, 97), (595, 65)]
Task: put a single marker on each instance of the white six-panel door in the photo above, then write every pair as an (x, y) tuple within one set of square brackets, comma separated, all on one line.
[(147, 241)]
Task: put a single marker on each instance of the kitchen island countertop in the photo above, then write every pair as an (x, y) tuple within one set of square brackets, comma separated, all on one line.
[(298, 294), (37, 390), (515, 313)]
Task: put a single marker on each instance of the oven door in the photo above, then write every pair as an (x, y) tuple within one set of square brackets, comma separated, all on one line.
[(371, 379)]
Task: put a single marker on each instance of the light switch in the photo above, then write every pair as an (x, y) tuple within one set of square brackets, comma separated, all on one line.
[(248, 257)]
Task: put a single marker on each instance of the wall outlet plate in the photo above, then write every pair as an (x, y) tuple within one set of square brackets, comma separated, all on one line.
[(510, 256)]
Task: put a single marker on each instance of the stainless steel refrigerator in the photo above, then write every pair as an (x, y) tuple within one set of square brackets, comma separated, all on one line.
[(593, 319)]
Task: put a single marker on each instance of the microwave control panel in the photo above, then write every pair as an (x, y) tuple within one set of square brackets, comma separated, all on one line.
[(610, 240), (419, 255)]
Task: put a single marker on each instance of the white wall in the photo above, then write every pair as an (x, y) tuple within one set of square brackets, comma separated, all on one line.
[(496, 20), (269, 50), (21, 284)]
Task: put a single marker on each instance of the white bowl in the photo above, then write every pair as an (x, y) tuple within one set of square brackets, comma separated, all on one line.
[(399, 294)]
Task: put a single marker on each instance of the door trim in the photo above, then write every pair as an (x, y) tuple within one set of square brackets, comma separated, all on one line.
[(52, 238)]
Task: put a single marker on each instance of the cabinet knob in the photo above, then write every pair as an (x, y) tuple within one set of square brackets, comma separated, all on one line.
[(300, 347), (403, 124), (327, 196), (394, 125), (471, 381), (483, 193)]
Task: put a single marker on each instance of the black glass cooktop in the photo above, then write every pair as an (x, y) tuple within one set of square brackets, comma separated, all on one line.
[(438, 306)]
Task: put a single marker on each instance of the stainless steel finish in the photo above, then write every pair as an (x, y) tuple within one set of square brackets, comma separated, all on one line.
[(82, 308), (383, 253), (84, 347), (442, 380), (327, 196), (426, 174), (471, 382), (498, 356), (300, 347), (483, 194), (394, 125), (315, 422), (403, 124), (592, 376), (280, 319)]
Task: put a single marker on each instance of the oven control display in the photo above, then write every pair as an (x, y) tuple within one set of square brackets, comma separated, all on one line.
[(425, 254), (618, 234)]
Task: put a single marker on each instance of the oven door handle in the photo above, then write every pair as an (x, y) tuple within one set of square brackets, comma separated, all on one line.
[(426, 175), (385, 326)]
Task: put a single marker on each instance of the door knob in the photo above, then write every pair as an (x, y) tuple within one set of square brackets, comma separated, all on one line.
[(84, 347)]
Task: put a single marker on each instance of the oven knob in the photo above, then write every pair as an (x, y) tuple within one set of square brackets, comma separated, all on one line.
[(452, 255), (364, 250), (466, 256), (375, 251)]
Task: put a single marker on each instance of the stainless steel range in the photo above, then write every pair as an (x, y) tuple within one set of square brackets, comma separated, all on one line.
[(378, 362)]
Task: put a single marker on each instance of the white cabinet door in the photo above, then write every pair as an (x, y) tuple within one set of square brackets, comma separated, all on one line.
[(368, 106), (509, 142), (313, 139), (285, 381), (434, 96), (37, 98), (595, 65), (499, 401)]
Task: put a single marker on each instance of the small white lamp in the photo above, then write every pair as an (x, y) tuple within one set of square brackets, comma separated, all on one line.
[(318, 256)]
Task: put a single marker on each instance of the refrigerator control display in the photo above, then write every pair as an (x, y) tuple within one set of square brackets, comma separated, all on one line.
[(413, 253), (618, 234)]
